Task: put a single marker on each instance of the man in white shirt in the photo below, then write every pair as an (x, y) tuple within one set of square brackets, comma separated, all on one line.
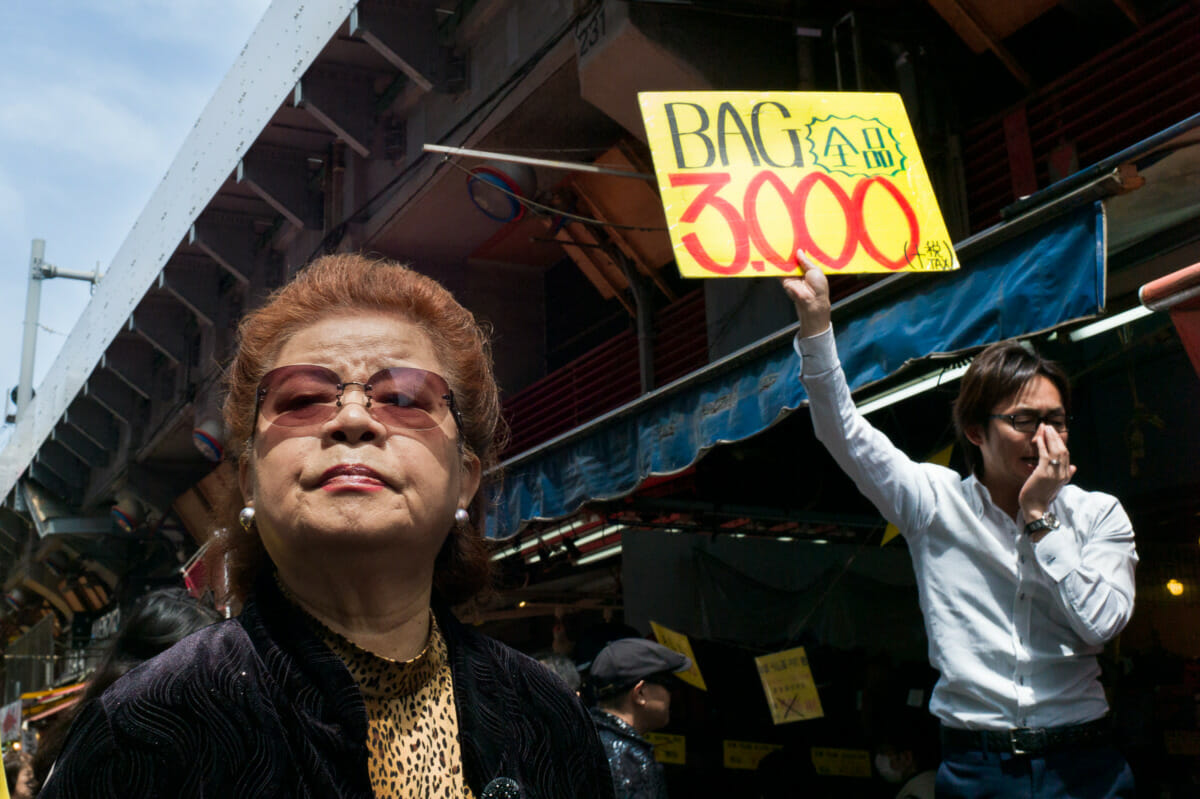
[(1022, 578)]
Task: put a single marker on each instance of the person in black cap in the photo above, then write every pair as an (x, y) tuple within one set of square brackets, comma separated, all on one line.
[(631, 677)]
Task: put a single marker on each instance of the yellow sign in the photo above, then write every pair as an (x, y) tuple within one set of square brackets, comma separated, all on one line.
[(788, 684), (679, 643), (842, 762), (668, 748), (749, 178), (746, 754)]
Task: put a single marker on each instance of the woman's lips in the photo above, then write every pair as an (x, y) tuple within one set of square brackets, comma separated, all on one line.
[(351, 477)]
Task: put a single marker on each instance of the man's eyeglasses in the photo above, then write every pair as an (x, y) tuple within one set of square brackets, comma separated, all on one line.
[(401, 397), (1028, 422)]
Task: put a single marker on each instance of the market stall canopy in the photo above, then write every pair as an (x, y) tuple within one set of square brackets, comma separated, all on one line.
[(1043, 278)]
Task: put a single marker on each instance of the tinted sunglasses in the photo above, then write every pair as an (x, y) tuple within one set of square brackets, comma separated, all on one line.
[(400, 397)]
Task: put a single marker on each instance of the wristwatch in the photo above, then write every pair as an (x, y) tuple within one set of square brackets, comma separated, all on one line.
[(1048, 522)]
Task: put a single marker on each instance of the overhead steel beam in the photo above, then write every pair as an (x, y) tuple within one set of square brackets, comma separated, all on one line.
[(131, 359), (288, 39), (196, 288), (281, 178), (80, 446), (159, 326), (406, 35), (228, 240), (94, 422), (55, 485), (115, 395), (343, 101), (60, 460)]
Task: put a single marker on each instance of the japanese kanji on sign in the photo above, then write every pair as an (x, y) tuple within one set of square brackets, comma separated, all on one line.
[(788, 684), (748, 178)]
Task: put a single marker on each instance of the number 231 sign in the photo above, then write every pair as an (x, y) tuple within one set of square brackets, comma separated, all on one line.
[(748, 178)]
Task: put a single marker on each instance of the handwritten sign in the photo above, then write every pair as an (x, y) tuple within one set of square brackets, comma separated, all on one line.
[(746, 754), (668, 748), (788, 684), (842, 762), (748, 178), (679, 643)]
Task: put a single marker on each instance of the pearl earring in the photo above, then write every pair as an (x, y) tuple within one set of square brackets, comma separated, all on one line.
[(246, 518), (461, 517)]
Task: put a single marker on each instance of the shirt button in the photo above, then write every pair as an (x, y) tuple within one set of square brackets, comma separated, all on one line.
[(1021, 559), (1021, 596), (1022, 680)]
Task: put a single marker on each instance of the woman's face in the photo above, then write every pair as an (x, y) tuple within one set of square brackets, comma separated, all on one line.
[(353, 481)]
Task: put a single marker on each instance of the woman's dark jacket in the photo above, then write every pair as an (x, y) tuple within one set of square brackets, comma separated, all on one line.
[(258, 706)]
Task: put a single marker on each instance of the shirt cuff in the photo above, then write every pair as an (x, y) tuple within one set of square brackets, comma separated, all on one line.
[(818, 354), (1058, 553)]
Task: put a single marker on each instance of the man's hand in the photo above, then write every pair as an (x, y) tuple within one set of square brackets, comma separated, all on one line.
[(1053, 471), (810, 294)]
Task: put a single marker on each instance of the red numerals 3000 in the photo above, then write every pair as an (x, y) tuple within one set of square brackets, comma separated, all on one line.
[(745, 228)]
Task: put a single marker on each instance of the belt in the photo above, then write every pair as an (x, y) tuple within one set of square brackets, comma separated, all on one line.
[(1030, 740)]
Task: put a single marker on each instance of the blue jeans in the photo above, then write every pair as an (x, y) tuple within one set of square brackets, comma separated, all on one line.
[(1094, 773)]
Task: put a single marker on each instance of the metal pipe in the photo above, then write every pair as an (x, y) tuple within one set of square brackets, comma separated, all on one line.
[(1072, 182), (33, 304), (645, 319), (573, 166)]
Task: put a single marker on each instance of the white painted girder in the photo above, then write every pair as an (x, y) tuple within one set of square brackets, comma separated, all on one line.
[(285, 43)]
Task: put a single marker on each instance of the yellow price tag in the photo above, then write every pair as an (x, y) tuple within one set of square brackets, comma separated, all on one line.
[(788, 683), (842, 762), (679, 643), (668, 748), (746, 754), (748, 178)]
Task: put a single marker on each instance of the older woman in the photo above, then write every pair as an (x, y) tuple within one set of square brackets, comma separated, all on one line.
[(362, 409)]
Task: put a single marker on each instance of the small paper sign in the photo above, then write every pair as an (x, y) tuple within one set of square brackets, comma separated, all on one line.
[(10, 722), (842, 762), (746, 754), (668, 748), (748, 178), (788, 683), (679, 643)]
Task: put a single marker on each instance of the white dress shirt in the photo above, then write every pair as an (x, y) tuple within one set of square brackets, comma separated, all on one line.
[(1014, 627)]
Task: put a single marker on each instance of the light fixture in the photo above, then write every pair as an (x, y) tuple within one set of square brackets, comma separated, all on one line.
[(1174, 587), (596, 535), (497, 188), (208, 435), (913, 388), (1109, 322), (599, 554), (126, 511)]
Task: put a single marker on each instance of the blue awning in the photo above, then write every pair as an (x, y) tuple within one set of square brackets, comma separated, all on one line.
[(1041, 279)]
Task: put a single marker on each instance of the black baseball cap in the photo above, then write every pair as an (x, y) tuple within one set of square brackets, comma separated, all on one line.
[(628, 660)]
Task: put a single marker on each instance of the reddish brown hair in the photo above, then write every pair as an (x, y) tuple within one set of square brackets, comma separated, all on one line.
[(996, 374), (341, 283)]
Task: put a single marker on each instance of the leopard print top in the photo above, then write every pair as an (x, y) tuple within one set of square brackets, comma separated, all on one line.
[(413, 738)]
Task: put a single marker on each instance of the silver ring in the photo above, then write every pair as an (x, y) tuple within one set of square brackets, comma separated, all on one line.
[(1056, 463)]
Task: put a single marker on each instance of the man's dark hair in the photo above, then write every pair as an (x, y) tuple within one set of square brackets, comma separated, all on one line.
[(996, 374)]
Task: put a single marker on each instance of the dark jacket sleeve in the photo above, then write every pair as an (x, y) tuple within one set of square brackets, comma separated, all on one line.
[(191, 722), (91, 763)]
